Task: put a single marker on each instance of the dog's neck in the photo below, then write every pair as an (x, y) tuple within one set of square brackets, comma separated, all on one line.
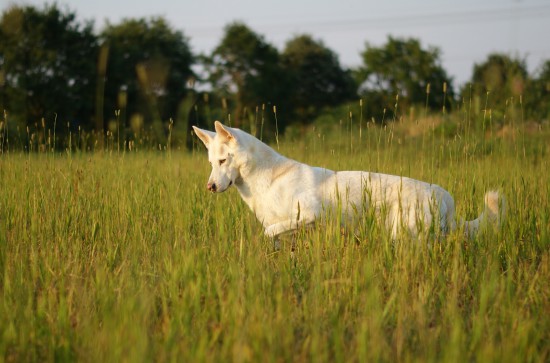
[(259, 157), (256, 173)]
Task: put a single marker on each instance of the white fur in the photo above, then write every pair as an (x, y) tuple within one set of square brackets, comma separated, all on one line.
[(285, 194)]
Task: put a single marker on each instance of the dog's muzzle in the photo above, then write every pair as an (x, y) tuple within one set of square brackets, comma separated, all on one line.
[(214, 188)]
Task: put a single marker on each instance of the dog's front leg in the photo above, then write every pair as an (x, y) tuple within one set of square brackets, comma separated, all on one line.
[(281, 233), (277, 229), (276, 243)]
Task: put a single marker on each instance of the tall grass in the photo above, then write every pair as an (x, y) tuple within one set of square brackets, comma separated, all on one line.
[(124, 256)]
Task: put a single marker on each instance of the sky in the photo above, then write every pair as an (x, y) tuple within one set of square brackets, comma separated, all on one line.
[(466, 31)]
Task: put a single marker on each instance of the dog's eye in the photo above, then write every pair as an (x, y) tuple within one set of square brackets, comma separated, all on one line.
[(222, 161)]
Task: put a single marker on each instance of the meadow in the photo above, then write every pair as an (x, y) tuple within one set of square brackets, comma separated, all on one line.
[(121, 255)]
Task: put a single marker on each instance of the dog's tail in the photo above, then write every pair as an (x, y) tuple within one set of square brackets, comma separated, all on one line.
[(492, 215)]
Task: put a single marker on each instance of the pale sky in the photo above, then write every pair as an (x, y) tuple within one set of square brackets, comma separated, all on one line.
[(465, 31)]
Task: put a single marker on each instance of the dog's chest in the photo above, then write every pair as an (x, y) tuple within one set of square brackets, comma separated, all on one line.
[(264, 201)]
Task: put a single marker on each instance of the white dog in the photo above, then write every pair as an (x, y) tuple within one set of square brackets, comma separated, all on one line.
[(285, 194)]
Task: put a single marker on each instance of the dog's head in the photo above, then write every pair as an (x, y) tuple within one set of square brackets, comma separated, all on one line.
[(221, 146)]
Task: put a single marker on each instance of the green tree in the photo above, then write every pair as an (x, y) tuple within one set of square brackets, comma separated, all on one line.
[(538, 99), (247, 68), (497, 80), (317, 80), (48, 61), (402, 67), (148, 68)]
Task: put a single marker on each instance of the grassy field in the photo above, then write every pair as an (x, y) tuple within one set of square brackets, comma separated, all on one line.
[(109, 257)]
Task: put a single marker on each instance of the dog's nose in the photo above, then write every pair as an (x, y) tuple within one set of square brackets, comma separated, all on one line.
[(211, 186)]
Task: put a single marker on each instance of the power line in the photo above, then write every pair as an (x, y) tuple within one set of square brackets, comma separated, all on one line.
[(445, 18), (411, 20)]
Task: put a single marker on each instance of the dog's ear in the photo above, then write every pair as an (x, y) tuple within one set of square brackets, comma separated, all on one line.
[(224, 132), (205, 136)]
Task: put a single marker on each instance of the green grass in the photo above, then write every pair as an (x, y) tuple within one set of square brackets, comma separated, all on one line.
[(126, 257)]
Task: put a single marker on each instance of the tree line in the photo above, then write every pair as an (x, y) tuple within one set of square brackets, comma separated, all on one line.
[(140, 75)]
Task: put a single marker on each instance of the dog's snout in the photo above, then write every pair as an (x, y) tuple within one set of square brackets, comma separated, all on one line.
[(212, 187)]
